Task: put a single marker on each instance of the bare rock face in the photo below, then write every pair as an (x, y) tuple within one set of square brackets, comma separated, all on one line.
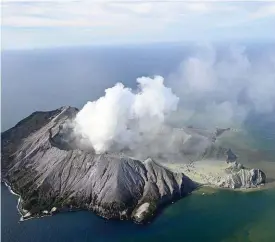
[(239, 176), (245, 178), (50, 173)]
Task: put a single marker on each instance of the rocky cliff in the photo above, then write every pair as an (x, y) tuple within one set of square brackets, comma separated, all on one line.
[(51, 174)]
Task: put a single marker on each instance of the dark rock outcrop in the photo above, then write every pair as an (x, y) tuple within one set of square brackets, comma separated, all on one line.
[(231, 157)]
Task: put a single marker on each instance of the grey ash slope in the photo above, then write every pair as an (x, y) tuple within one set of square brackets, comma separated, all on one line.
[(49, 174)]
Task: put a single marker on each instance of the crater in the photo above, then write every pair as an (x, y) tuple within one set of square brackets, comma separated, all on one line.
[(67, 139)]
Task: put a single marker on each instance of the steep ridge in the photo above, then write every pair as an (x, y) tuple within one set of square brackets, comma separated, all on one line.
[(51, 175)]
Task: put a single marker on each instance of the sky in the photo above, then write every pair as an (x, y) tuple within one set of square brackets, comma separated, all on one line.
[(53, 23)]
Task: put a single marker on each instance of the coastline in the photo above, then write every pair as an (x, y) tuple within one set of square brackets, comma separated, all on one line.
[(18, 201), (205, 176), (49, 214), (18, 206)]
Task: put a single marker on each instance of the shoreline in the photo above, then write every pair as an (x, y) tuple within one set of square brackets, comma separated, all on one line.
[(21, 219), (207, 174), (50, 214), (18, 201), (202, 187)]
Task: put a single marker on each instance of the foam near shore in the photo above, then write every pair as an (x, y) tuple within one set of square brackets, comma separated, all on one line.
[(24, 214), (18, 202)]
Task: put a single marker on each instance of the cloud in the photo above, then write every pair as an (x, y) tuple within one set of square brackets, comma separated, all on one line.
[(256, 12), (220, 88), (64, 13), (264, 11), (92, 13), (140, 21)]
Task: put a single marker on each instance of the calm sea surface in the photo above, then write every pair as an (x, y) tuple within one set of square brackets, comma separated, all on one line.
[(215, 216)]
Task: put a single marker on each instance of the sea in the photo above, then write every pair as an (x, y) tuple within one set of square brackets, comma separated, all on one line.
[(47, 79), (206, 215)]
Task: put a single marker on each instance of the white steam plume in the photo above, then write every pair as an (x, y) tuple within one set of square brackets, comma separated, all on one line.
[(124, 118), (217, 87), (221, 87)]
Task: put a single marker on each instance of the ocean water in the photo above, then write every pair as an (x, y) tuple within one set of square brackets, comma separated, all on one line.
[(218, 215)]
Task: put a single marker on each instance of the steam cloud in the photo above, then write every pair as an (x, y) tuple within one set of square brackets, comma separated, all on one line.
[(123, 118), (222, 87), (210, 89)]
